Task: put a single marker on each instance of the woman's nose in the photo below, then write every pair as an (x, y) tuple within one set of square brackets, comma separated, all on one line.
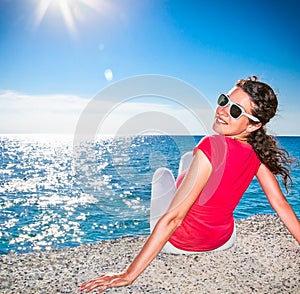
[(223, 110)]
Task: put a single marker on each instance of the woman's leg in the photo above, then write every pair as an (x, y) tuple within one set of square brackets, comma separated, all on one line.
[(164, 187), (185, 162), (162, 192)]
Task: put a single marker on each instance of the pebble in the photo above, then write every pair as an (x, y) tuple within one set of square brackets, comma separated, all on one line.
[(265, 259)]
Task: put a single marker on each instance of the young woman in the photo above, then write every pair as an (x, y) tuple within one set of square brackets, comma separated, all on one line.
[(196, 213)]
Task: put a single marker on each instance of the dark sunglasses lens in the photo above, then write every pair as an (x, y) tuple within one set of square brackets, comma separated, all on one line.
[(235, 111), (223, 100)]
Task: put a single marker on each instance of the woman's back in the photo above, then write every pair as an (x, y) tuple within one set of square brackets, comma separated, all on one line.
[(209, 223)]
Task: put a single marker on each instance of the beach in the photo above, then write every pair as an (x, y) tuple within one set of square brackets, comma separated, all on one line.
[(264, 259)]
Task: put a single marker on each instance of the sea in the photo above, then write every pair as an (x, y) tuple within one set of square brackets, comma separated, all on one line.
[(55, 193)]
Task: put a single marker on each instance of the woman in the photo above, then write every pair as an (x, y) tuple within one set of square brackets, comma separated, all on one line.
[(198, 214)]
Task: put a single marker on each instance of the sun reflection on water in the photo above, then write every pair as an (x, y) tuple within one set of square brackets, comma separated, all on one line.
[(46, 203)]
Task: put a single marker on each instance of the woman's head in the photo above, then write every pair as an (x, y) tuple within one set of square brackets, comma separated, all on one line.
[(246, 108), (263, 97), (233, 112)]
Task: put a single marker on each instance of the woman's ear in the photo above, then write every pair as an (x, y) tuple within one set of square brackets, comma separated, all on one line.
[(251, 127)]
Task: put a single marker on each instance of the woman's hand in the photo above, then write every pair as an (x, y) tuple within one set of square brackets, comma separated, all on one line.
[(105, 281)]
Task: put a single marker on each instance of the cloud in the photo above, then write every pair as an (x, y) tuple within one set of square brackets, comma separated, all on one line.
[(148, 118), (21, 113), (285, 123)]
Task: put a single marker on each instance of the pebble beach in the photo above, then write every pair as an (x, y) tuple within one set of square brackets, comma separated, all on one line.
[(264, 259)]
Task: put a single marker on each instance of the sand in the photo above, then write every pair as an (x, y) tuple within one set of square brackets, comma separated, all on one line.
[(265, 259)]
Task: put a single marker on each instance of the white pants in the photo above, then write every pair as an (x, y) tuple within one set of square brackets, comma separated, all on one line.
[(162, 193)]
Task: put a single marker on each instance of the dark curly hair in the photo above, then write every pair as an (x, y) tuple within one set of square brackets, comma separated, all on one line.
[(265, 146)]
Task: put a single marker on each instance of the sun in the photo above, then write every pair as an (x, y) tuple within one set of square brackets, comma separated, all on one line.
[(71, 11)]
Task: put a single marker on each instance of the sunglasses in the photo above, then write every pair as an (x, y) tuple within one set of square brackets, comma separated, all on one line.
[(235, 110)]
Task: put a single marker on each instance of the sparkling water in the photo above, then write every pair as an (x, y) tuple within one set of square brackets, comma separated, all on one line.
[(54, 194)]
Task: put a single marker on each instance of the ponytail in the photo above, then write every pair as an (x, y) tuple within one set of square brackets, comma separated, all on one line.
[(277, 159), (265, 146)]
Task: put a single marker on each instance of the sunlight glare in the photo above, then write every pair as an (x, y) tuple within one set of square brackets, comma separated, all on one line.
[(41, 10), (70, 10)]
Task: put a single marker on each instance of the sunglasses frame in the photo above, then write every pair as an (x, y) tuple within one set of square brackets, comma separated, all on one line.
[(243, 112)]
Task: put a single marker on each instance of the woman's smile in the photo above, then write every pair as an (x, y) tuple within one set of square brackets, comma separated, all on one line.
[(219, 120)]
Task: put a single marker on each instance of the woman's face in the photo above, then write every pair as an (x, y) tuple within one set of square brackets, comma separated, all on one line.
[(225, 125)]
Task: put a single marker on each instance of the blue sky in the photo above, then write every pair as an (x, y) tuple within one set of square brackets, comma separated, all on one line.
[(56, 55)]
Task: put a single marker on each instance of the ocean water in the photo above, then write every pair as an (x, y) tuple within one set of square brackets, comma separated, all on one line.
[(54, 194)]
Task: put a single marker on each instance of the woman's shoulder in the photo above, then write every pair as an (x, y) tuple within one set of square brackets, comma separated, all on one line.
[(220, 140), (212, 143), (212, 139)]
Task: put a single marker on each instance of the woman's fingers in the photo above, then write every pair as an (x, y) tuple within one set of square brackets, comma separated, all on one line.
[(94, 283), (104, 281)]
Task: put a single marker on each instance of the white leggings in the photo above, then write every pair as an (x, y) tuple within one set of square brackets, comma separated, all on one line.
[(162, 193)]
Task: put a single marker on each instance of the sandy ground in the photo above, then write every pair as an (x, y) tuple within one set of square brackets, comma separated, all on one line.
[(265, 259)]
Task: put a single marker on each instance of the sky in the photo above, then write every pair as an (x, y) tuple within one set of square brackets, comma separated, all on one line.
[(58, 55)]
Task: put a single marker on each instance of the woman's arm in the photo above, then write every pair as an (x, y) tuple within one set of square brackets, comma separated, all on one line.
[(194, 181), (271, 188)]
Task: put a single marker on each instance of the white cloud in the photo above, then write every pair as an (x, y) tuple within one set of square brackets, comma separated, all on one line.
[(285, 123), (158, 118), (21, 113)]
